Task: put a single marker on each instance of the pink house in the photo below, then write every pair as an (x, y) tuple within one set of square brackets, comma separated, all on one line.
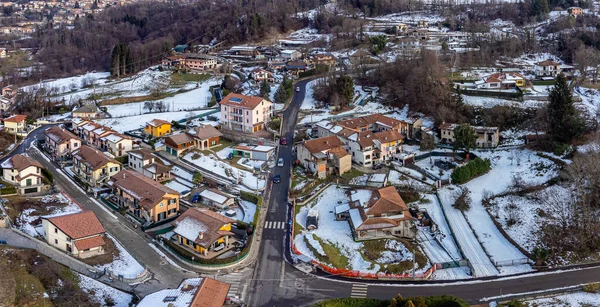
[(247, 114)]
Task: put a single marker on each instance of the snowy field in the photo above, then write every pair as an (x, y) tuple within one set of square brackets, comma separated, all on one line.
[(490, 102), (211, 164), (194, 99), (139, 121), (70, 84), (101, 292), (522, 167), (410, 17), (577, 299), (370, 108), (249, 210), (338, 234), (309, 102), (124, 265), (29, 216), (465, 237)]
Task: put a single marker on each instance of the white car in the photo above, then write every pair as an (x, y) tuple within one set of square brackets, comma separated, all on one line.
[(297, 88), (280, 162)]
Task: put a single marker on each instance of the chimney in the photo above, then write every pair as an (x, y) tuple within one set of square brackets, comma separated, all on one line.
[(201, 235)]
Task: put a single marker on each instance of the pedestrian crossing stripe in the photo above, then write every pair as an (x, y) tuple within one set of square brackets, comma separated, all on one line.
[(274, 225), (359, 290)]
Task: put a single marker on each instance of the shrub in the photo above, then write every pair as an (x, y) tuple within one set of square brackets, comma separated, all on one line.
[(592, 287), (247, 196), (48, 175), (471, 170)]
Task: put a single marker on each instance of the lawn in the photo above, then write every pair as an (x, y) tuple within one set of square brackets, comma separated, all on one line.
[(178, 79), (334, 256), (353, 173), (374, 249), (224, 143)]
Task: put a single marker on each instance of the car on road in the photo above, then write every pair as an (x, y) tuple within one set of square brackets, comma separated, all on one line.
[(283, 141), (297, 88), (277, 179), (377, 166), (280, 162)]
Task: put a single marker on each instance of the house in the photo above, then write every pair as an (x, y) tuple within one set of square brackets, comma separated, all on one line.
[(246, 114), (216, 199), (173, 61), (380, 122), (546, 68), (385, 215), (193, 292), (575, 11), (262, 152), (143, 161), (203, 137), (260, 75), (25, 173), (199, 62), (205, 232), (487, 137), (60, 143), (16, 124), (157, 171), (423, 23), (146, 199), (157, 128), (360, 57), (3, 53), (96, 136), (324, 156), (116, 144), (87, 111), (92, 166), (509, 80), (5, 103), (291, 55), (79, 234), (324, 59), (296, 67), (9, 91)]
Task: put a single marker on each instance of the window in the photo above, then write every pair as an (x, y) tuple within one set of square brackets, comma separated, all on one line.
[(162, 205), (55, 230), (256, 112), (247, 121), (172, 201), (55, 241), (247, 112)]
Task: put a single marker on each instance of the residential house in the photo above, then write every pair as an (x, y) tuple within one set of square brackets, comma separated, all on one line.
[(291, 55), (385, 215), (246, 114), (216, 199), (60, 143), (84, 130), (116, 144), (157, 128), (146, 199), (199, 62), (260, 152), (16, 124), (324, 59), (144, 161), (296, 67), (3, 53), (92, 166), (203, 231), (25, 173), (9, 91), (87, 111), (379, 122), (546, 69), (203, 137), (324, 156), (173, 61), (192, 292), (509, 80), (250, 52), (5, 103), (487, 137), (575, 11), (79, 234), (96, 135), (260, 75)]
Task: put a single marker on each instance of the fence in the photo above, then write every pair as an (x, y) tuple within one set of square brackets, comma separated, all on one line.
[(512, 262)]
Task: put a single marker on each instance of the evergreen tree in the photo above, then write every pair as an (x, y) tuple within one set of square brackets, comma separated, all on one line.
[(265, 89), (465, 137), (564, 121), (344, 85), (130, 66), (540, 9), (115, 58), (123, 59), (285, 91)]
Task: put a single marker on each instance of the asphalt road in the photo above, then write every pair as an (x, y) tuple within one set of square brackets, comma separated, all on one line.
[(277, 283)]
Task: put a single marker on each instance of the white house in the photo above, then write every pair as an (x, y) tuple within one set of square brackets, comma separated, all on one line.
[(117, 144), (291, 55), (79, 234), (216, 199), (23, 172), (246, 114), (546, 68)]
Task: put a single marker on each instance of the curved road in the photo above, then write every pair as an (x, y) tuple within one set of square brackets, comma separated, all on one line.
[(277, 283)]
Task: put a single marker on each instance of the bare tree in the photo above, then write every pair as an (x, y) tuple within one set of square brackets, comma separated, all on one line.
[(149, 105)]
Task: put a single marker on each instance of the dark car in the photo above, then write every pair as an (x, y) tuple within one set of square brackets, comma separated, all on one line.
[(378, 166), (277, 179), (283, 141)]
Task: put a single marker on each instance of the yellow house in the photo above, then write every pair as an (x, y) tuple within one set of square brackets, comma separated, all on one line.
[(157, 128), (93, 166), (146, 199), (203, 231)]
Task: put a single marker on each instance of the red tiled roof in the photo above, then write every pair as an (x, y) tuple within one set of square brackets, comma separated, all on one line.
[(78, 225), (246, 102), (88, 243), (211, 293), (321, 144), (21, 162), (16, 118)]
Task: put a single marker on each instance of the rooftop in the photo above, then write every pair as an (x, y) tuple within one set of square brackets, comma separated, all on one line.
[(147, 191), (78, 225), (201, 226), (92, 158), (242, 101)]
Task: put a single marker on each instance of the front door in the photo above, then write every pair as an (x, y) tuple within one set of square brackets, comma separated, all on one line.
[(69, 248)]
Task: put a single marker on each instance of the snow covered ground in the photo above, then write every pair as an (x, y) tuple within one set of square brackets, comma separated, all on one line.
[(338, 233), (70, 84), (410, 17), (489, 102), (210, 163), (102, 291), (29, 216), (529, 169), (370, 108), (139, 121), (249, 210), (194, 99), (124, 265), (309, 102), (465, 237), (577, 299)]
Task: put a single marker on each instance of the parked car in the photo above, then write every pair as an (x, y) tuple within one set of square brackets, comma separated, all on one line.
[(280, 162), (230, 156), (297, 88), (283, 141), (377, 166), (277, 179)]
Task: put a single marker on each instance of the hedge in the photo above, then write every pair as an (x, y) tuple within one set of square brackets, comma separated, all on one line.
[(353, 302), (471, 170), (48, 175), (247, 196), (185, 253)]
